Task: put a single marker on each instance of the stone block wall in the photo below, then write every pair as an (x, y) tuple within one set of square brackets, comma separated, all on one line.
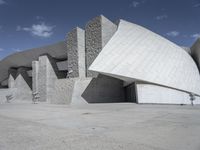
[(76, 53), (35, 72), (98, 32)]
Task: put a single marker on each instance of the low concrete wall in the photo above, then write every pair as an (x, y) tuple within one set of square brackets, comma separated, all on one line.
[(148, 93), (63, 91), (21, 90), (3, 94), (80, 86)]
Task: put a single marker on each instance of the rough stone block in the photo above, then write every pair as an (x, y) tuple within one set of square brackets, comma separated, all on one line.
[(98, 32), (76, 53), (35, 73)]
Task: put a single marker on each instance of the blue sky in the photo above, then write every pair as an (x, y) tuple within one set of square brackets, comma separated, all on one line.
[(27, 24)]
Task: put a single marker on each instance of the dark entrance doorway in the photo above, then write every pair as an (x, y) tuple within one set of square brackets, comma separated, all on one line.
[(130, 93)]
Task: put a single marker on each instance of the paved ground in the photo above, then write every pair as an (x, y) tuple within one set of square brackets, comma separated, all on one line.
[(99, 127)]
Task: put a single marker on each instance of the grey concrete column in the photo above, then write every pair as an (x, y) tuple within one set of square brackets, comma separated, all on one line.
[(35, 73), (98, 32), (76, 53), (46, 79), (11, 81)]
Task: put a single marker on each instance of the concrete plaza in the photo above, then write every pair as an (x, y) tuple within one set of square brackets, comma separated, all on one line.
[(25, 126)]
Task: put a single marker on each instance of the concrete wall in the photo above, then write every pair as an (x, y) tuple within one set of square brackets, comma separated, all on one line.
[(21, 90), (98, 32), (12, 73), (3, 94), (46, 79), (35, 72), (63, 91), (135, 53), (148, 93), (104, 89), (195, 52), (80, 86), (76, 53), (11, 81)]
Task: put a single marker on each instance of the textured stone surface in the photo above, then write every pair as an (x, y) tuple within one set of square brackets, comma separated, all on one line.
[(35, 73), (76, 53), (135, 53), (98, 32), (148, 93)]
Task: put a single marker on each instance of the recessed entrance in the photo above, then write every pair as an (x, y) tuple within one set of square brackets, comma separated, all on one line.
[(130, 93)]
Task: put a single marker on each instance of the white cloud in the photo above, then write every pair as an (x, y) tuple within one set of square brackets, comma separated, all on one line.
[(173, 33), (16, 49), (39, 17), (1, 49), (2, 2), (196, 35), (162, 17), (196, 5), (40, 30), (137, 3)]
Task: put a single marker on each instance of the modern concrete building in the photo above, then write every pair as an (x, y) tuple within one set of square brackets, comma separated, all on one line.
[(106, 62)]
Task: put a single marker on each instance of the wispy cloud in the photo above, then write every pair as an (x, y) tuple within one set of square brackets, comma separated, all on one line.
[(173, 33), (136, 4), (196, 35), (16, 49), (2, 2), (196, 5), (1, 49), (162, 17), (40, 30), (39, 17)]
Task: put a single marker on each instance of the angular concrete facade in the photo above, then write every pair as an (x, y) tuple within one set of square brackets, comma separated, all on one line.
[(104, 63)]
